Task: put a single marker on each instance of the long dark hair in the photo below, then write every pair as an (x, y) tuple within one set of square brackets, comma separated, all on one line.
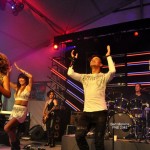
[(21, 75)]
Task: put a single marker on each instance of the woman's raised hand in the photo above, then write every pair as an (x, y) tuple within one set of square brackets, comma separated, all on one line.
[(108, 51), (16, 66)]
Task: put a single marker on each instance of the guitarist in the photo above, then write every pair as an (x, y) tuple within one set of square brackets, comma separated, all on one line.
[(49, 117)]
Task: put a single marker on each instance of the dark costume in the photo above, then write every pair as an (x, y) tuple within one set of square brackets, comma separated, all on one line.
[(50, 124)]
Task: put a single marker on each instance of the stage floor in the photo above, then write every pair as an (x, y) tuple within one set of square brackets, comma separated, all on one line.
[(35, 145), (69, 143)]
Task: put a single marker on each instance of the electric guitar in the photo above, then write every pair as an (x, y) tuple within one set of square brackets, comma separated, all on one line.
[(46, 116)]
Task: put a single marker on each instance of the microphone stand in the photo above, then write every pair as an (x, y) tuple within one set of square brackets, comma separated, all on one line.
[(146, 128)]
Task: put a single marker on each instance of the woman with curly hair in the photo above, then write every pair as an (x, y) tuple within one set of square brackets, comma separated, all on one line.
[(19, 111), (4, 78)]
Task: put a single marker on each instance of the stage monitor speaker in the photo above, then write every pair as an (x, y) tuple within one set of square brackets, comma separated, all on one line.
[(75, 116), (36, 132), (70, 129)]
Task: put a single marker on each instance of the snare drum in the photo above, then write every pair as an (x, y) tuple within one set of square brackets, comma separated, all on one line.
[(136, 107), (121, 104)]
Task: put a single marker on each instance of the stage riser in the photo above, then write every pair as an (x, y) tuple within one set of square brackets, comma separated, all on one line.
[(69, 143)]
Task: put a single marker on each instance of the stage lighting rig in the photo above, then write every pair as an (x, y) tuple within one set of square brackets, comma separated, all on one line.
[(16, 6)]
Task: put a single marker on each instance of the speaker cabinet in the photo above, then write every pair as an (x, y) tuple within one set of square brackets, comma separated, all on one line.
[(57, 127), (36, 132), (61, 122)]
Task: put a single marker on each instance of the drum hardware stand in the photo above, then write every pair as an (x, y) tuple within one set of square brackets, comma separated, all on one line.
[(141, 136), (146, 131), (133, 133), (136, 129)]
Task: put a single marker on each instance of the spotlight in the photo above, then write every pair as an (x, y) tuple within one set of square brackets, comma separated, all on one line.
[(55, 46), (136, 33), (16, 7)]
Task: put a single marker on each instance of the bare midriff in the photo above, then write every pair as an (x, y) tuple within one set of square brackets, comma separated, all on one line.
[(21, 102)]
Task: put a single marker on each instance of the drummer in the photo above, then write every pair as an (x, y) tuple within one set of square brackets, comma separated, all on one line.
[(138, 102)]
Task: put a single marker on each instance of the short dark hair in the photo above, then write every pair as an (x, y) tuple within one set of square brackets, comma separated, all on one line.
[(91, 57), (138, 84)]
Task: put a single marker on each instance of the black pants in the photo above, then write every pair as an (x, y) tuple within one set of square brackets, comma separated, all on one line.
[(87, 120), (50, 127)]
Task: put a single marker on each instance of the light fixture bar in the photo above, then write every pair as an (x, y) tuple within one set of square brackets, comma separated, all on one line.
[(77, 109), (75, 96), (75, 86)]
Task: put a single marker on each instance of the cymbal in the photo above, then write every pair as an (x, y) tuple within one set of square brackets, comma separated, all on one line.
[(146, 89)]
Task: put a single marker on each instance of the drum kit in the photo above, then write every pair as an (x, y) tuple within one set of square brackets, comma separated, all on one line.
[(128, 119)]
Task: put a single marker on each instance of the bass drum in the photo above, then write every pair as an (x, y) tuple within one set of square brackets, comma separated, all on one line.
[(122, 124)]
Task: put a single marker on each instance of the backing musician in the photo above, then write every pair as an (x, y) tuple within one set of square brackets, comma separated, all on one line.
[(49, 117), (138, 102)]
